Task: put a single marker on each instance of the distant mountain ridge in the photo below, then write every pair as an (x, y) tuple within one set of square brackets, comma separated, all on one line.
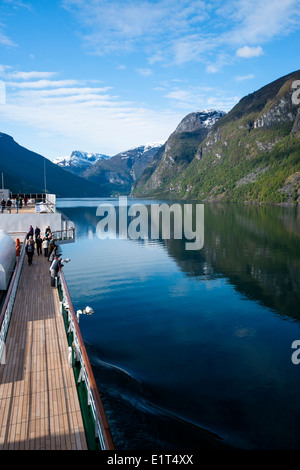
[(79, 161), (114, 174), (250, 154), (23, 172)]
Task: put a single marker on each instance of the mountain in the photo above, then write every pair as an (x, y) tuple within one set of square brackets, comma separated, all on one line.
[(23, 172), (79, 161), (118, 173), (251, 154), (177, 153)]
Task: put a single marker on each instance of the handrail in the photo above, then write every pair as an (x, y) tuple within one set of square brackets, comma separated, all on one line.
[(64, 234), (10, 298), (100, 415)]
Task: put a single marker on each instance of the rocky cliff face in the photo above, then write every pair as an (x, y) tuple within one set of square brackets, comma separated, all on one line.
[(296, 126), (281, 112), (177, 152)]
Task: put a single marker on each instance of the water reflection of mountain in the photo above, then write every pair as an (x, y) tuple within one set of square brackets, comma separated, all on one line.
[(256, 248)]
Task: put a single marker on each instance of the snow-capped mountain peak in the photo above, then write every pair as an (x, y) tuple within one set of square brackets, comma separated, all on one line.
[(79, 161), (200, 119)]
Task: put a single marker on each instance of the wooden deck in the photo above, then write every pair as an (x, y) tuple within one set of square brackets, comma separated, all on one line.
[(39, 407)]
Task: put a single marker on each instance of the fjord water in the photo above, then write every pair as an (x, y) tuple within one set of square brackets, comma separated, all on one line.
[(193, 349)]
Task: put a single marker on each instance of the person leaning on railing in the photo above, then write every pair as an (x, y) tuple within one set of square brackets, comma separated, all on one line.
[(3, 204), (8, 206)]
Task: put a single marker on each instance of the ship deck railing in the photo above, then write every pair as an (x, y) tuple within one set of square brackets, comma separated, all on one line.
[(31, 324), (79, 360), (9, 303), (64, 236)]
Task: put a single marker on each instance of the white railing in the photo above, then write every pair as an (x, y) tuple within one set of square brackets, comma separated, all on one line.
[(67, 235), (6, 312), (102, 431)]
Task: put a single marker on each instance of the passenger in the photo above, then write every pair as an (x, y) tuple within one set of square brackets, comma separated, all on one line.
[(38, 242), (51, 247), (45, 247), (54, 253), (29, 251), (54, 268), (3, 203), (37, 232), (20, 203), (8, 205), (30, 231)]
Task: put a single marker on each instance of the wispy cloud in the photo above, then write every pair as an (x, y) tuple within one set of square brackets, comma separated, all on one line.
[(241, 78), (85, 113), (39, 84), (183, 31), (259, 22), (199, 98), (17, 4), (249, 52), (144, 72), (6, 41), (9, 5), (31, 75)]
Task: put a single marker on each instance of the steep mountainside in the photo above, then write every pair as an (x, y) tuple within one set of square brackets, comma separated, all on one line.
[(250, 154), (23, 172), (118, 173), (177, 153), (79, 161)]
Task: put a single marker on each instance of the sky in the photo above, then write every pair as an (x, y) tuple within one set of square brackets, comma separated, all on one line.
[(107, 75)]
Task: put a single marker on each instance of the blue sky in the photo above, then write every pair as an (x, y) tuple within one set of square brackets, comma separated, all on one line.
[(105, 76)]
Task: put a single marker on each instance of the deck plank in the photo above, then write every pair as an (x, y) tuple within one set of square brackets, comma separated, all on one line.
[(39, 406)]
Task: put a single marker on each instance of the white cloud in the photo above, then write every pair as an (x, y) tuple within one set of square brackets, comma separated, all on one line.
[(241, 78), (181, 95), (260, 22), (249, 52), (85, 115), (17, 3), (31, 75), (183, 31), (212, 68), (6, 41), (144, 72), (39, 84), (3, 69), (201, 98)]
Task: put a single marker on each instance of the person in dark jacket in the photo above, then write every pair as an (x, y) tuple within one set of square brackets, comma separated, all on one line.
[(29, 251), (3, 203), (38, 242), (37, 232)]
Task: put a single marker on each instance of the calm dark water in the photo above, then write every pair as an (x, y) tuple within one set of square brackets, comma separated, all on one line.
[(192, 349)]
